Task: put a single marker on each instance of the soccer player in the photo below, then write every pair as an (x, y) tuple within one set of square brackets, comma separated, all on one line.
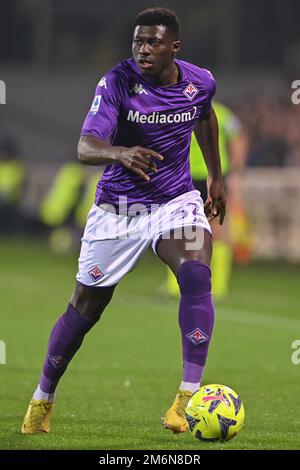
[(140, 124)]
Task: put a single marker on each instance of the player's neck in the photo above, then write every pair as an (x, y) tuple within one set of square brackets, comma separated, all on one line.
[(168, 77)]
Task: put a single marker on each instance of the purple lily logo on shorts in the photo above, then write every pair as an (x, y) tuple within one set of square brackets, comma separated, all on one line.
[(197, 337), (96, 274)]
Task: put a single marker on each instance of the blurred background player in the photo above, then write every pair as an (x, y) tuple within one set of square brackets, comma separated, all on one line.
[(12, 179), (66, 204), (232, 236)]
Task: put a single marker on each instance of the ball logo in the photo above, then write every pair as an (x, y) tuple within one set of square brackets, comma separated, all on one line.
[(138, 89)]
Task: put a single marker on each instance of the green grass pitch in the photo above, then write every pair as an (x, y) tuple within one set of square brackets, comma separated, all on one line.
[(128, 370)]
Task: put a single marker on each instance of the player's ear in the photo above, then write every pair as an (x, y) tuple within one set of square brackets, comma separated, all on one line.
[(176, 46)]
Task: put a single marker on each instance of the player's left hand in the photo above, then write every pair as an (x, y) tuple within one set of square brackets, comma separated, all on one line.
[(215, 204)]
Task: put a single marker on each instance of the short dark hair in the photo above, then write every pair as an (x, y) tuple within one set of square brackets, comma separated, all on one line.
[(158, 16)]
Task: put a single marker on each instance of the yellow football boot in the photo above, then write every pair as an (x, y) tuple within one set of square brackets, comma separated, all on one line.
[(174, 418), (37, 418)]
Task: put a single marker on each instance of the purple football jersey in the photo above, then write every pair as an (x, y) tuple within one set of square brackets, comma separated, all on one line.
[(129, 111)]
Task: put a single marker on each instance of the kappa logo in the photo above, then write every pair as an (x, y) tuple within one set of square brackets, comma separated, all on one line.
[(102, 83), (95, 273), (96, 104), (197, 337), (190, 91), (2, 352), (138, 89)]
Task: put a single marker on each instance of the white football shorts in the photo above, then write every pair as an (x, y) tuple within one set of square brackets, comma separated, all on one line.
[(112, 243)]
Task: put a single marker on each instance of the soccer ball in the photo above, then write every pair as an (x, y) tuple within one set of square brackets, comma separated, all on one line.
[(215, 413)]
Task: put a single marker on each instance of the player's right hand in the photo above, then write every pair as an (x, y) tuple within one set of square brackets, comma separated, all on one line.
[(139, 160)]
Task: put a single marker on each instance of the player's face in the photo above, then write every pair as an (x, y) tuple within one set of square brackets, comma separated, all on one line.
[(153, 49)]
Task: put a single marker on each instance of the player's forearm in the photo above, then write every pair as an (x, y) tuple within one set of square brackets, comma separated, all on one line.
[(238, 148), (207, 135), (93, 151)]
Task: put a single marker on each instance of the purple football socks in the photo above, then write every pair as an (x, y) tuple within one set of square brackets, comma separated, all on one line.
[(65, 339), (196, 318)]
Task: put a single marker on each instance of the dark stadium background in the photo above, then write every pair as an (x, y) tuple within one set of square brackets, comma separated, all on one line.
[(52, 54)]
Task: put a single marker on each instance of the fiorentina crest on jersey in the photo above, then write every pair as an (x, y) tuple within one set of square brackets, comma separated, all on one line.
[(95, 273), (190, 91), (197, 337)]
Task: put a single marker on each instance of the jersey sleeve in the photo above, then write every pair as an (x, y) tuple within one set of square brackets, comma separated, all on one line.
[(210, 85), (102, 118)]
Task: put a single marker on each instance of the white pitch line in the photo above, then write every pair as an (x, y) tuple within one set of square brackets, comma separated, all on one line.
[(234, 315), (261, 319)]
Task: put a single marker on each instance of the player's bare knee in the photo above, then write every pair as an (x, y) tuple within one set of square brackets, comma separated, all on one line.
[(91, 301), (194, 278)]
